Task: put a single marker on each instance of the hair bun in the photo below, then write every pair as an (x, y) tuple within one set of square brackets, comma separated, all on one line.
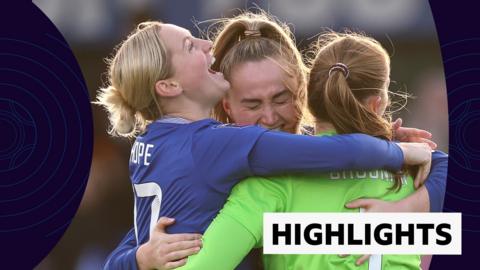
[(121, 114)]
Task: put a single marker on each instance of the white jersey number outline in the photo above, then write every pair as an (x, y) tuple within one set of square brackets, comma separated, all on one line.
[(375, 260), (150, 189)]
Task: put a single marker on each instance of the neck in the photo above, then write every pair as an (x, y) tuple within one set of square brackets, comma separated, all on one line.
[(191, 115), (187, 110), (322, 126)]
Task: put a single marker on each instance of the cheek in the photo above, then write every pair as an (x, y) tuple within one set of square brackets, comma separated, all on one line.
[(191, 73), (196, 67), (244, 117), (288, 113)]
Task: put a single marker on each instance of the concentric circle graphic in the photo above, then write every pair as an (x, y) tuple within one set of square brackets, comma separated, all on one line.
[(16, 146), (459, 37), (461, 58), (46, 126)]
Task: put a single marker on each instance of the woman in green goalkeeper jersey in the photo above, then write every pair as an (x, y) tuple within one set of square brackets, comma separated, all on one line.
[(347, 93)]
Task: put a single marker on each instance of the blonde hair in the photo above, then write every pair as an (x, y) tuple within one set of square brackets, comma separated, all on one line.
[(138, 63), (349, 68), (255, 37)]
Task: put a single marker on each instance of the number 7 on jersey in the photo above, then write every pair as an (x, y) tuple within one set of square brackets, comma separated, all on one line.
[(148, 190)]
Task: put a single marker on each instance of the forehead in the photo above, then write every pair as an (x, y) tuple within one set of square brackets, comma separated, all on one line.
[(173, 36), (257, 79)]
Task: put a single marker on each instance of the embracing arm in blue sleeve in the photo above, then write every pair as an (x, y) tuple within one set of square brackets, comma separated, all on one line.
[(279, 153), (123, 257), (436, 183)]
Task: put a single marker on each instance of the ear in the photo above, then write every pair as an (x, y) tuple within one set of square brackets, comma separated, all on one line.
[(374, 103), (226, 106), (168, 88)]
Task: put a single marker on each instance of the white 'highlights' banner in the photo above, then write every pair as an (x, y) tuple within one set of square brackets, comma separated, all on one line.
[(362, 233)]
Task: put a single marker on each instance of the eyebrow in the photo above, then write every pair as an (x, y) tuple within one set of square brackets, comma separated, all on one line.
[(253, 100), (281, 94), (250, 100)]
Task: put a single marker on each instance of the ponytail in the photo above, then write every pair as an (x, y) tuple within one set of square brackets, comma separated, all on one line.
[(347, 70), (348, 114), (120, 114)]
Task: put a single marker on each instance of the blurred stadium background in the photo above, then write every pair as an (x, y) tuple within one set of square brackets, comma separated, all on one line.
[(93, 28)]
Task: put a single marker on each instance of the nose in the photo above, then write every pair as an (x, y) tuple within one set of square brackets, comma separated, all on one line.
[(269, 117), (207, 46)]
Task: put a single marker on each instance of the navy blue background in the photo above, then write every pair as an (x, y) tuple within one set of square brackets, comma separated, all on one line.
[(459, 36), (46, 127), (46, 135)]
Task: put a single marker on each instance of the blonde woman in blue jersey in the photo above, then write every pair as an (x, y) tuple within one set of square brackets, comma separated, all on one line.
[(162, 91), (347, 92)]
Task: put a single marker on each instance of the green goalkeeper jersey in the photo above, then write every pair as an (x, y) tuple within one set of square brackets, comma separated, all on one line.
[(239, 225)]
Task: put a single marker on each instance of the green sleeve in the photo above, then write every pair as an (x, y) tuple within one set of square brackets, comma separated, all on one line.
[(253, 197), (225, 243), (239, 225)]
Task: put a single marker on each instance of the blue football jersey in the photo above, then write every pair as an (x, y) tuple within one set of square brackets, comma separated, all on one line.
[(186, 171)]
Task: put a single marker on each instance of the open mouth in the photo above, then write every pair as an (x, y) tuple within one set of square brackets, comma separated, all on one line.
[(212, 60), (211, 71)]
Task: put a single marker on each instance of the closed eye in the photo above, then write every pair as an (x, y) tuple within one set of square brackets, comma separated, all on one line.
[(251, 105), (282, 97), (281, 102), (190, 46)]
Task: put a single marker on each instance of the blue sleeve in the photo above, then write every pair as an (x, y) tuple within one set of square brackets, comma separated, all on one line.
[(436, 182), (280, 153), (124, 256), (221, 153)]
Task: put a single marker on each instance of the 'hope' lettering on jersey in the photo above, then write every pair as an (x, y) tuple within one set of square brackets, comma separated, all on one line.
[(141, 153)]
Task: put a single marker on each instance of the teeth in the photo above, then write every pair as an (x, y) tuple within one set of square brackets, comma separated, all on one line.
[(213, 61)]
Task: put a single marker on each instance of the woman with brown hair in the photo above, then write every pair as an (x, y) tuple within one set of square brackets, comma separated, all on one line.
[(267, 75)]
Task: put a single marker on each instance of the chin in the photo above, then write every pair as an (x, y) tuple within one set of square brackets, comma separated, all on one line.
[(225, 86), (293, 130)]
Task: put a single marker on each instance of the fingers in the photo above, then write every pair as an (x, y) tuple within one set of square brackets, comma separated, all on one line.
[(424, 168), (415, 132), (177, 255), (163, 223), (430, 143), (422, 174), (173, 238), (359, 203), (175, 264), (406, 134), (362, 259), (421, 133), (397, 124), (179, 251), (183, 245), (417, 180)]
